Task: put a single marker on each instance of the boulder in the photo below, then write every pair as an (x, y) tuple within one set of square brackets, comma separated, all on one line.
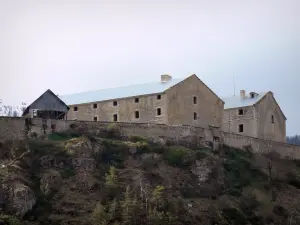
[(84, 164), (84, 147), (48, 161), (51, 181), (20, 199), (158, 141), (202, 170)]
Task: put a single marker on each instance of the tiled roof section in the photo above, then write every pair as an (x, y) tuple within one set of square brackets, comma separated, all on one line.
[(118, 92), (237, 101)]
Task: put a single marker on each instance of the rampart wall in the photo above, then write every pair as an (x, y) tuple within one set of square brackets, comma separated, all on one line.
[(18, 128)]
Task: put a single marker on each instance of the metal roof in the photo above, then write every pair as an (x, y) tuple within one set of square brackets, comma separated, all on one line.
[(119, 92), (237, 101)]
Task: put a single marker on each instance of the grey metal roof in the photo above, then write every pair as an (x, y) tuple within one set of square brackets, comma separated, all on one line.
[(237, 101), (118, 92)]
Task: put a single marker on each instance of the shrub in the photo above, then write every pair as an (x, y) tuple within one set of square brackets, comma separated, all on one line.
[(10, 220), (280, 211), (137, 139), (179, 156), (239, 171), (142, 147), (234, 216), (113, 131), (292, 179), (61, 136), (67, 172), (114, 153)]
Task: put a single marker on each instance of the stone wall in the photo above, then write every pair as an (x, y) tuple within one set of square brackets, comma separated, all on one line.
[(15, 128)]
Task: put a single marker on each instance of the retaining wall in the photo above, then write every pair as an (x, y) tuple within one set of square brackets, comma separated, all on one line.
[(15, 128)]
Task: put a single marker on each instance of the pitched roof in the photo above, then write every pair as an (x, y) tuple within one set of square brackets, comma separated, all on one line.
[(119, 92), (237, 101), (48, 91)]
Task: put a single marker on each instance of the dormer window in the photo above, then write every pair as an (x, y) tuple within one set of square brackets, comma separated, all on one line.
[(253, 94)]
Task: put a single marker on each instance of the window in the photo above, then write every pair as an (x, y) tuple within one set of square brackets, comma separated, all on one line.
[(136, 100), (272, 119), (95, 118), (195, 116), (158, 97), (241, 112), (115, 117), (158, 111), (137, 114), (241, 128), (95, 106), (115, 103), (195, 100), (75, 108)]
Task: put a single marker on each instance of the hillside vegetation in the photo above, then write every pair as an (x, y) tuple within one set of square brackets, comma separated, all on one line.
[(83, 179)]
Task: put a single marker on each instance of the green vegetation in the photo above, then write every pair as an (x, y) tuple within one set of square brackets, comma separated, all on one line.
[(240, 171), (10, 220), (141, 181), (61, 136)]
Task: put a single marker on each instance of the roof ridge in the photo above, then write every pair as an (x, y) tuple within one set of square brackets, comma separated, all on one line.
[(110, 88)]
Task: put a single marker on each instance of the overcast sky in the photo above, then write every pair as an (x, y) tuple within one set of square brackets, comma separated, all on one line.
[(74, 46)]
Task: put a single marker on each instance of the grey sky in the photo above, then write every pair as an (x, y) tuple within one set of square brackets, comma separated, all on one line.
[(73, 46)]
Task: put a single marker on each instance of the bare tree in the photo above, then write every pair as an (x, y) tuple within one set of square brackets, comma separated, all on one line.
[(9, 135), (271, 155)]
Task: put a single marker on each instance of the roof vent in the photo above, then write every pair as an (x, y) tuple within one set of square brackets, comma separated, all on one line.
[(253, 94), (165, 78), (243, 94)]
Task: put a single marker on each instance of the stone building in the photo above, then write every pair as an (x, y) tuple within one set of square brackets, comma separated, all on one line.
[(256, 115), (185, 101), (47, 106)]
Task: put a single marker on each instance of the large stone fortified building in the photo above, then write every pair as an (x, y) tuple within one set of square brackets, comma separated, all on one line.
[(186, 101)]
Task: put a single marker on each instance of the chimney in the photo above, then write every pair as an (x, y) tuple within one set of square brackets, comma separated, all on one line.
[(165, 78), (243, 94)]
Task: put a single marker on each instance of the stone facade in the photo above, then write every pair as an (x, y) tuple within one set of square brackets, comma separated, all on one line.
[(125, 110), (190, 102), (263, 119)]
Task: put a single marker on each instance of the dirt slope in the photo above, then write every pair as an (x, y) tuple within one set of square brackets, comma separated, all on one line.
[(105, 179)]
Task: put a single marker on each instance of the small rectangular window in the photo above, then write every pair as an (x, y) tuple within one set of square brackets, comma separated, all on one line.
[(195, 116), (115, 117), (95, 118), (115, 103), (158, 97), (241, 112), (137, 114), (95, 106), (136, 100), (272, 119), (195, 100), (158, 111), (75, 108), (241, 128)]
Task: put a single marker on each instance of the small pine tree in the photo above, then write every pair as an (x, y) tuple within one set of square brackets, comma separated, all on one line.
[(157, 196), (111, 178), (100, 215), (128, 206), (113, 210)]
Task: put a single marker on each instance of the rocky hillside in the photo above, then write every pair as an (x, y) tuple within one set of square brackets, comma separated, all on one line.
[(83, 179)]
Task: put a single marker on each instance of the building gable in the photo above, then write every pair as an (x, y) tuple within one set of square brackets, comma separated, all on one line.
[(47, 101), (273, 98)]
